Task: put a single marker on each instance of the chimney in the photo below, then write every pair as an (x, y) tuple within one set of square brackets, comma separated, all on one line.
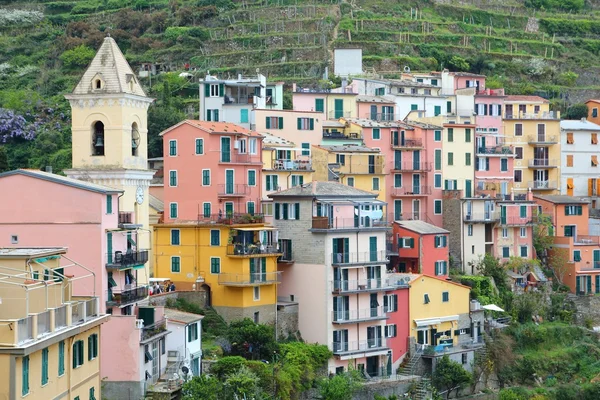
[(49, 169), (529, 195), (314, 187)]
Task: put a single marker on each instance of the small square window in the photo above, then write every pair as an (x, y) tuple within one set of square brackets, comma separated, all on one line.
[(256, 293), (14, 239), (426, 298)]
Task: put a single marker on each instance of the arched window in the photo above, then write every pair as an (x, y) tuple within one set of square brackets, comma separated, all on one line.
[(135, 139), (98, 84), (98, 139)]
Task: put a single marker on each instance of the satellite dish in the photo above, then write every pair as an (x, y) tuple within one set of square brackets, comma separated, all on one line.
[(406, 68), (185, 370)]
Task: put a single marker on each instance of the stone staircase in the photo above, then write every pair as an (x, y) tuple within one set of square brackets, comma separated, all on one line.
[(409, 368), (423, 391)]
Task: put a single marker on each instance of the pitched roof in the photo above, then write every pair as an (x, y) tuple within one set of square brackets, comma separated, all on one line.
[(20, 252), (182, 316), (110, 65), (536, 99), (156, 203), (373, 99), (214, 127), (561, 199), (348, 148), (271, 140), (323, 189), (369, 123), (417, 276), (421, 227), (578, 124), (62, 180)]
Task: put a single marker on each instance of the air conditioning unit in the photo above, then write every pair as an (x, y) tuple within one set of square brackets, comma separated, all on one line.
[(236, 144), (139, 323)]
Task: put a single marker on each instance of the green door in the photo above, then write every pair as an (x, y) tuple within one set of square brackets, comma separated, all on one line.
[(437, 110), (596, 258), (229, 181), (373, 248), (147, 314), (503, 215), (225, 149), (109, 247), (468, 188), (263, 269), (253, 274), (338, 105), (229, 209), (395, 140), (577, 285)]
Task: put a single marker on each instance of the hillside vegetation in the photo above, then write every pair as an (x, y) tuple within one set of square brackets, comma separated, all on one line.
[(548, 47)]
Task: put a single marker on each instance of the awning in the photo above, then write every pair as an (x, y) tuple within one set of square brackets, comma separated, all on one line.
[(492, 307), (435, 321), (256, 228)]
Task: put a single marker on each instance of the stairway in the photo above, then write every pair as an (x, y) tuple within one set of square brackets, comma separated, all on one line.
[(409, 368), (423, 390)]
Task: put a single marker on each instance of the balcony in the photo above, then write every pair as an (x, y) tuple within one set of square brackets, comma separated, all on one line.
[(412, 191), (239, 158), (542, 163), (238, 99), (154, 329), (360, 346), (362, 258), (382, 117), (25, 329), (447, 347), (242, 250), (580, 240), (286, 256), (292, 165), (360, 285), (129, 259), (341, 135), (391, 248), (542, 140), (337, 114), (500, 151), (540, 115), (254, 279), (324, 223), (231, 219), (407, 144), (354, 316), (513, 220), (483, 218), (83, 310), (117, 297), (542, 185), (412, 167), (126, 218), (233, 190)]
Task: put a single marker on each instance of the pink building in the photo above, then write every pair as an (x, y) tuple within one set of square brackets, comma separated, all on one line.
[(211, 168), (65, 212), (513, 235), (494, 157), (422, 247), (376, 108), (398, 339)]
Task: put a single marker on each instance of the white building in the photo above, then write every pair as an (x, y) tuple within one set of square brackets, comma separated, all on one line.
[(579, 148), (184, 344)]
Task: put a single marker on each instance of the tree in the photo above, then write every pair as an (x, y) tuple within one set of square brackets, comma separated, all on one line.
[(3, 160), (77, 58), (557, 262), (204, 387), (449, 375), (250, 340), (457, 63), (577, 111), (242, 383), (340, 386), (227, 366), (543, 232)]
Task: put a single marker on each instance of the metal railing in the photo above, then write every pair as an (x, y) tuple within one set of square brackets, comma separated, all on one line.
[(358, 345), (231, 219), (125, 217), (411, 191), (363, 257), (259, 278), (516, 220), (154, 329), (336, 114), (341, 135), (382, 117), (43, 323), (60, 317), (539, 115), (391, 248), (348, 223), (118, 259), (407, 143), (240, 249), (542, 162), (358, 315), (238, 189), (542, 185), (495, 150), (286, 254), (77, 312), (25, 329), (292, 165), (484, 216), (91, 308), (411, 166), (542, 139), (239, 158), (586, 239), (117, 297), (340, 286)]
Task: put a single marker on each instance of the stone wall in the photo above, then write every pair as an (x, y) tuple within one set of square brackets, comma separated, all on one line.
[(197, 297), (587, 309), (112, 390), (287, 319), (451, 220), (266, 314)]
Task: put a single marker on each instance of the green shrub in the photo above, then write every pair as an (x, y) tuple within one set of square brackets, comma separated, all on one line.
[(77, 58)]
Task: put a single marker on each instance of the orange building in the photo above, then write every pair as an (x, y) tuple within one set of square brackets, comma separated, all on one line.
[(593, 111)]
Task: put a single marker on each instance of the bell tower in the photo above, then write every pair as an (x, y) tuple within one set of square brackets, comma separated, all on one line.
[(109, 132)]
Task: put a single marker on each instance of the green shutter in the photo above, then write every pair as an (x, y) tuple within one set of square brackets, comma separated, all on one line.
[(438, 159), (90, 348), (523, 211), (373, 248), (61, 358), (577, 285), (451, 134), (252, 269), (25, 375), (244, 116), (589, 284), (346, 250), (109, 204), (285, 210), (207, 90), (312, 124), (109, 247), (263, 269), (221, 90), (437, 110), (280, 123), (411, 243), (44, 366), (319, 105), (451, 159), (297, 210), (276, 210), (268, 122), (468, 135), (448, 106), (299, 123)]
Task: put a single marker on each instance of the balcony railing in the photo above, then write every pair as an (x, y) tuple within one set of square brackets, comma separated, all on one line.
[(232, 219), (359, 345), (341, 135), (43, 323), (249, 250), (238, 158), (482, 217), (496, 151), (81, 311), (411, 191), (542, 163), (25, 329), (366, 257), (382, 116), (407, 143), (513, 220), (542, 139), (125, 217), (323, 223), (540, 115), (118, 297), (60, 317), (286, 256), (542, 185), (391, 248), (233, 190), (586, 239), (341, 286), (348, 316), (336, 114), (120, 260), (260, 278), (411, 166), (292, 165), (155, 329)]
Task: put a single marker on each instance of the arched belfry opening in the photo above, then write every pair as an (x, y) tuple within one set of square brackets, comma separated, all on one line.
[(135, 139), (98, 139)]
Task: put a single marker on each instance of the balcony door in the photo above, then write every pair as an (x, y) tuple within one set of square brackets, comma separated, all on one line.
[(374, 303), (341, 308), (541, 178), (508, 111), (395, 139), (225, 149), (481, 144), (373, 248), (423, 337), (229, 181), (416, 160), (340, 279), (374, 276), (397, 159), (373, 365), (541, 156), (155, 359), (338, 105), (416, 209), (416, 189), (373, 336), (340, 250), (373, 112), (340, 340), (371, 164), (541, 132)]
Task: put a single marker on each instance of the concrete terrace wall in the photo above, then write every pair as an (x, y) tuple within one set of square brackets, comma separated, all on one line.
[(198, 298)]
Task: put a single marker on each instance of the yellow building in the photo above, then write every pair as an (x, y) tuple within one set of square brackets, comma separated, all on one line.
[(353, 165), (534, 132), (49, 339), (233, 259)]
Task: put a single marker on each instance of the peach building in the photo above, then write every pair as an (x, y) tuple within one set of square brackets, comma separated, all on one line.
[(376, 108), (211, 168), (333, 104), (304, 128)]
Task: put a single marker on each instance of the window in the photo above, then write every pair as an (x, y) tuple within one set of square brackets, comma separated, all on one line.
[(518, 129), (244, 116), (173, 210), (212, 115), (92, 346), (109, 204), (306, 124), (437, 181), (375, 184), (380, 91), (305, 149), (594, 161), (215, 237), (576, 255), (172, 147), (437, 207), (350, 181), (469, 230), (61, 358), (426, 299), (408, 242), (256, 293), (519, 153), (451, 134), (176, 264), (468, 135), (440, 241), (192, 332), (505, 252), (175, 236), (464, 359), (594, 138), (213, 90), (297, 180), (340, 159), (242, 146), (570, 139), (251, 177), (523, 232), (267, 209), (172, 178), (390, 331), (437, 136), (376, 134), (92, 393), (77, 354), (505, 233), (274, 122), (206, 210), (14, 239), (518, 176), (319, 105), (44, 366), (398, 180), (162, 346), (199, 146), (215, 265), (253, 146), (504, 164), (450, 158), (467, 159), (390, 303), (250, 208), (287, 211), (569, 160), (414, 107), (147, 358), (523, 211), (445, 297), (438, 159), (441, 268), (25, 375), (272, 183), (523, 251), (594, 112), (573, 210), (437, 110)]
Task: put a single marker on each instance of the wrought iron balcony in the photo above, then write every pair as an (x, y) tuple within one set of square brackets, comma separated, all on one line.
[(542, 185), (293, 165), (542, 139), (411, 191), (252, 250), (407, 144), (129, 259), (155, 329), (542, 163), (482, 217), (233, 190), (118, 297), (411, 166), (125, 218), (365, 257), (254, 279), (374, 344), (231, 219), (495, 151), (324, 223), (360, 285)]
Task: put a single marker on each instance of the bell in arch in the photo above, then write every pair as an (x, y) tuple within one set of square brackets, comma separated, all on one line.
[(99, 142)]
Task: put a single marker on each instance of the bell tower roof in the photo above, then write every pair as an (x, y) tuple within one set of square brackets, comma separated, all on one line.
[(109, 73)]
